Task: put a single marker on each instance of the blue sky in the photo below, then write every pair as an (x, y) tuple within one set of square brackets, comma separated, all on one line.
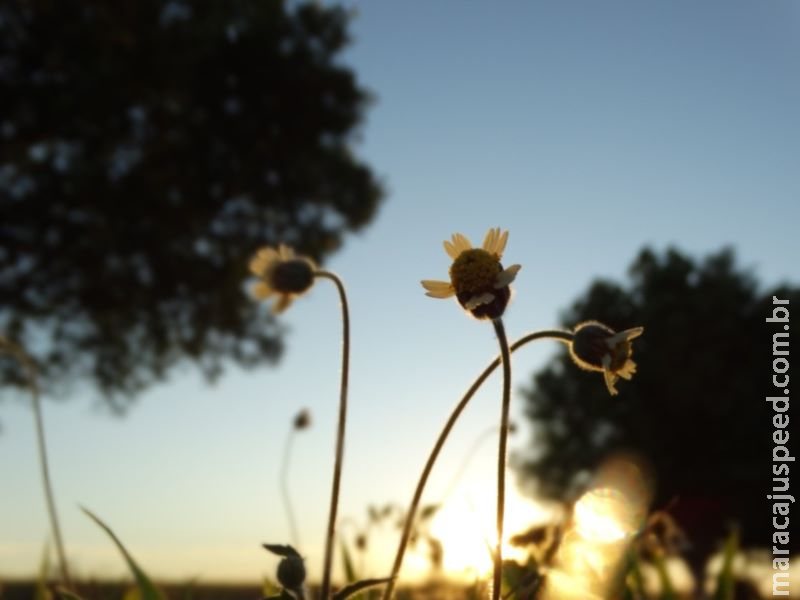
[(588, 129)]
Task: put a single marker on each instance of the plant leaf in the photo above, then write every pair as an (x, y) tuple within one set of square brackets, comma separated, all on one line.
[(356, 587), (282, 550), (634, 583), (725, 581), (667, 589), (132, 593), (349, 570), (146, 587), (428, 511), (42, 593), (269, 588)]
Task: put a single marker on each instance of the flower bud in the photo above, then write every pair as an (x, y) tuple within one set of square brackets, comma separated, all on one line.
[(597, 347), (302, 420), (281, 273), (291, 572), (293, 276), (589, 346)]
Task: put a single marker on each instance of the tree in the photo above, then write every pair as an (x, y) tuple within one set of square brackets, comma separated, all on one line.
[(695, 409), (148, 148)]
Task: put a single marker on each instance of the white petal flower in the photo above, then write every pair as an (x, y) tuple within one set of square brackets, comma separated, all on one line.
[(281, 273), (438, 289), (477, 279)]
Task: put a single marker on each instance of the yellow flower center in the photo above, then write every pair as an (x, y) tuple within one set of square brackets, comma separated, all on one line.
[(474, 271)]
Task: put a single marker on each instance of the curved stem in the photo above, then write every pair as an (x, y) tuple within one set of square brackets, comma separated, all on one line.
[(285, 489), (505, 354), (337, 468), (30, 372), (562, 336)]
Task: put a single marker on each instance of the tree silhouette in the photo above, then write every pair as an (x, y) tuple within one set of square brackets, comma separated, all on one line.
[(695, 409), (148, 148)]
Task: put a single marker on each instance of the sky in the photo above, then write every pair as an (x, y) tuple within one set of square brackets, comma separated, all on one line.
[(587, 129)]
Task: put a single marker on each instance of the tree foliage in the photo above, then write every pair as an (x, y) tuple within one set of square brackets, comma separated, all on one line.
[(147, 149), (696, 407)]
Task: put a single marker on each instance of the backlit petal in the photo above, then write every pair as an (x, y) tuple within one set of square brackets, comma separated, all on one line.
[(505, 277), (438, 289), (451, 250), (461, 242), (261, 290), (490, 240), (627, 370), (610, 377), (259, 263), (477, 301), (286, 252), (500, 244), (611, 380), (623, 336), (282, 304)]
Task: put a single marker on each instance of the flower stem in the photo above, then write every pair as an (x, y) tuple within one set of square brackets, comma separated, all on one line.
[(505, 354), (30, 373), (562, 336), (285, 488), (337, 468)]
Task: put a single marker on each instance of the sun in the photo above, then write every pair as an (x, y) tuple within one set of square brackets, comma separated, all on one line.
[(466, 527)]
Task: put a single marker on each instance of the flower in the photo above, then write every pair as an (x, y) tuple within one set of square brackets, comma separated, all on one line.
[(281, 273), (597, 347), (292, 572), (477, 279), (291, 568)]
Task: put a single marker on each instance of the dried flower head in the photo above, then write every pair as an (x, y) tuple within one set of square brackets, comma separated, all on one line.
[(477, 279), (597, 347), (302, 420), (281, 273), (292, 572), (361, 542), (291, 568)]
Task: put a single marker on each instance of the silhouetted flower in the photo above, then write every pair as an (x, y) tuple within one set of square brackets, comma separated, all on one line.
[(292, 572), (597, 347), (291, 569), (281, 273), (477, 279), (361, 542)]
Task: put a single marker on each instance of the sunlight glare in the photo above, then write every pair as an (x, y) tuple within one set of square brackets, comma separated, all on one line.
[(603, 515), (466, 527), (603, 523)]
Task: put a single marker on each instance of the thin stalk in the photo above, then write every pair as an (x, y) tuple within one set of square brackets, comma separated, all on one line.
[(285, 488), (505, 354), (337, 468), (30, 372), (562, 336)]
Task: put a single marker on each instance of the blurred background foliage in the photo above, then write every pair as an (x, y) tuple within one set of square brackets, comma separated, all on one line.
[(695, 409), (147, 150)]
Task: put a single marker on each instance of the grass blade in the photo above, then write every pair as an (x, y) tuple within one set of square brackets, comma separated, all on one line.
[(146, 587), (349, 570), (667, 589), (42, 592), (354, 588), (725, 581)]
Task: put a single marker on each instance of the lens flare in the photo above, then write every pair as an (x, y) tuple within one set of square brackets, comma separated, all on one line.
[(604, 521)]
